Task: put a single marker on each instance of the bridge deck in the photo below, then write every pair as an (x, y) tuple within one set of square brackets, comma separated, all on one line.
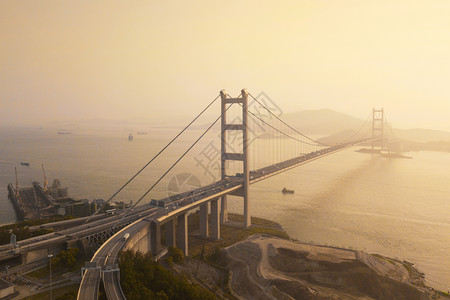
[(180, 203), (164, 210)]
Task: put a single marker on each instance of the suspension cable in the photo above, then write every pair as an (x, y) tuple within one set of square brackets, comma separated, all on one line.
[(254, 115), (161, 151), (268, 110), (173, 165), (354, 134), (390, 127)]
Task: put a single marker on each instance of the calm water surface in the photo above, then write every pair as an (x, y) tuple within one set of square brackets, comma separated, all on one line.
[(394, 207)]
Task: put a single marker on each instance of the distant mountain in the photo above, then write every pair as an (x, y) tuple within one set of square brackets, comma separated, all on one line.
[(422, 135), (330, 122), (322, 121), (415, 141), (342, 137)]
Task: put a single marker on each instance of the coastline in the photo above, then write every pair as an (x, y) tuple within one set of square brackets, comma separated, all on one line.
[(261, 264)]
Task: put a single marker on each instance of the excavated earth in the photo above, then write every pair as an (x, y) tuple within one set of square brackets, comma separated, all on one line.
[(265, 267)]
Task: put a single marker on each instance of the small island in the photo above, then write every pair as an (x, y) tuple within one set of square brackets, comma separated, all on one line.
[(383, 154)]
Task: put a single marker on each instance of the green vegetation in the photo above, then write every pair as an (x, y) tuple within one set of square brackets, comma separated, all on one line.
[(175, 255), (66, 260), (22, 232), (142, 278), (37, 222), (67, 293)]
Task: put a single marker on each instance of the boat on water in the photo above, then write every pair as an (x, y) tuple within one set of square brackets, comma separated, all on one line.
[(130, 137), (142, 132), (63, 131), (286, 191), (25, 164)]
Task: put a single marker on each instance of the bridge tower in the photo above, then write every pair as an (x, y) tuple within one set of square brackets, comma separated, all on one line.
[(225, 155), (377, 128)]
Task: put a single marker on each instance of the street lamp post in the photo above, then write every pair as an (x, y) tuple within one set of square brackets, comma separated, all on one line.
[(50, 262)]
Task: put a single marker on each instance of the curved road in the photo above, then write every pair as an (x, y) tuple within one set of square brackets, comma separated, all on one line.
[(107, 257), (178, 204)]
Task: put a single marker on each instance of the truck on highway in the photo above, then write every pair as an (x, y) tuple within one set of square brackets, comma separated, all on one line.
[(111, 212), (126, 236)]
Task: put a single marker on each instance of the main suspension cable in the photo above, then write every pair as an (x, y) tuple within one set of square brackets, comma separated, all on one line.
[(390, 127), (354, 134), (276, 129), (278, 118), (173, 165), (161, 151)]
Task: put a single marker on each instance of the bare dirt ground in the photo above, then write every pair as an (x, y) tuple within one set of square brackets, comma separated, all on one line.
[(265, 267)]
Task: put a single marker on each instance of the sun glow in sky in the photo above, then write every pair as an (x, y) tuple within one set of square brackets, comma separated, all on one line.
[(144, 60)]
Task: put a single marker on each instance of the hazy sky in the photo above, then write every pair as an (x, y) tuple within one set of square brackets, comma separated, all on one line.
[(151, 60)]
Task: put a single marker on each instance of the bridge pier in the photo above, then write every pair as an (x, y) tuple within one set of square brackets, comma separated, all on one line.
[(215, 219), (170, 233), (155, 236), (223, 209), (182, 234), (204, 232)]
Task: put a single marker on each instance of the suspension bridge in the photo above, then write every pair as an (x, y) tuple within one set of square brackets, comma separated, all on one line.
[(255, 144)]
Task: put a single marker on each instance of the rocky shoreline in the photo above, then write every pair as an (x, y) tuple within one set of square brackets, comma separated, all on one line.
[(262, 266)]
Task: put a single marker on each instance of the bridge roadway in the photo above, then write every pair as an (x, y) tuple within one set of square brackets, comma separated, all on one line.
[(107, 256), (59, 225), (76, 232), (173, 206)]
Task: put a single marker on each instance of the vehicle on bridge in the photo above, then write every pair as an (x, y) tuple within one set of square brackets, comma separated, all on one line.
[(111, 212)]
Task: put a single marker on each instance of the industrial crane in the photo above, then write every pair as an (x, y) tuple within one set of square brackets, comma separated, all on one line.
[(45, 179), (17, 185)]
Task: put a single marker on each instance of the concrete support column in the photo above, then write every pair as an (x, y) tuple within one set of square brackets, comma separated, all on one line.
[(204, 232), (182, 234), (155, 236), (223, 210), (215, 222), (170, 234)]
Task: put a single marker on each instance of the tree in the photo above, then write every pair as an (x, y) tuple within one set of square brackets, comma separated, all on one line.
[(176, 254), (66, 258), (142, 278)]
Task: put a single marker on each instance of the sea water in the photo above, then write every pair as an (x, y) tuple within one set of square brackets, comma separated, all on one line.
[(395, 207)]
